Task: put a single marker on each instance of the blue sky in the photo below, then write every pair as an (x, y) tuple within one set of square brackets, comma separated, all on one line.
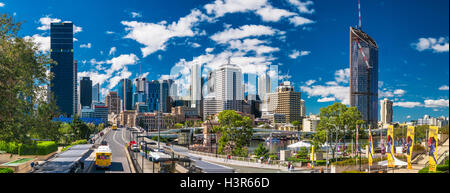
[(308, 39)]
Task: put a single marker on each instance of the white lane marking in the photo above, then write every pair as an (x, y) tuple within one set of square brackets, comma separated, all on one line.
[(123, 139)]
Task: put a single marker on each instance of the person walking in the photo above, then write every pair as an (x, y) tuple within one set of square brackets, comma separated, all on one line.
[(289, 166)]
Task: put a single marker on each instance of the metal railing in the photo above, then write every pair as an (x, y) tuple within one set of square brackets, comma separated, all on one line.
[(134, 161), (237, 158)]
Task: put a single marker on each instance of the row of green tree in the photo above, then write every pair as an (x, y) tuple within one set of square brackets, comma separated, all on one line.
[(27, 108)]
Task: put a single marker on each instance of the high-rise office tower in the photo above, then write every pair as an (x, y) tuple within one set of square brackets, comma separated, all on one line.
[(140, 84), (140, 95), (211, 81), (196, 85), (364, 75), (126, 94), (112, 101), (63, 85), (263, 86), (289, 102), (386, 112), (302, 108), (165, 97), (153, 95), (254, 101), (228, 87), (86, 92), (96, 93)]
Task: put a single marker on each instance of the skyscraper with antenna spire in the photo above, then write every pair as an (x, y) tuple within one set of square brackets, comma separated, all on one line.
[(364, 73)]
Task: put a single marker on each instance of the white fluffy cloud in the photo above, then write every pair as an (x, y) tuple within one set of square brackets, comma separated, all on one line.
[(436, 103), (299, 21), (428, 103), (42, 42), (221, 7), (135, 14), (407, 104), (309, 82), (302, 6), (326, 99), (437, 45), (112, 51), (443, 87), (342, 75), (88, 45), (269, 13), (243, 32), (46, 21), (333, 90), (155, 36), (295, 54), (262, 8), (2, 4), (121, 61), (252, 45), (399, 92)]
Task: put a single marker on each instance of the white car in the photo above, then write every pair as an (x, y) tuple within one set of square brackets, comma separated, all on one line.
[(135, 147)]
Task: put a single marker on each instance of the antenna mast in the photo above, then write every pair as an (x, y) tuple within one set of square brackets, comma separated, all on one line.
[(359, 12)]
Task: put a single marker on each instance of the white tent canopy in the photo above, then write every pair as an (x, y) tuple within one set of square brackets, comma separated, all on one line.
[(300, 144), (397, 162)]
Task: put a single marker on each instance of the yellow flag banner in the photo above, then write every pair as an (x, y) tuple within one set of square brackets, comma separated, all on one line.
[(432, 147), (370, 152), (409, 145), (312, 157), (390, 146)]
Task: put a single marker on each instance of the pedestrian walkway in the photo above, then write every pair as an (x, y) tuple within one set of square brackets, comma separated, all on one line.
[(421, 161), (148, 165)]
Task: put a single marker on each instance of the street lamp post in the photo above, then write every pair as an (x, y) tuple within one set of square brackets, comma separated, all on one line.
[(328, 148)]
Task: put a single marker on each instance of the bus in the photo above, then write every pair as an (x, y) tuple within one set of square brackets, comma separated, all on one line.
[(103, 157), (114, 127)]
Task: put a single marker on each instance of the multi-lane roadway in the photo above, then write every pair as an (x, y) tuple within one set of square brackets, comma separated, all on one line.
[(116, 139)]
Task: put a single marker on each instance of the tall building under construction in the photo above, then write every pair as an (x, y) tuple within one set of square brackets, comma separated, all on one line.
[(364, 75)]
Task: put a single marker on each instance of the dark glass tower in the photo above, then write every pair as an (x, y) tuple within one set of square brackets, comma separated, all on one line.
[(63, 84), (364, 75), (86, 91), (153, 95), (126, 94)]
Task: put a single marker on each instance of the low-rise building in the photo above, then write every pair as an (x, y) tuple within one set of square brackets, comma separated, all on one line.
[(310, 123), (101, 112), (274, 117), (128, 118), (150, 120)]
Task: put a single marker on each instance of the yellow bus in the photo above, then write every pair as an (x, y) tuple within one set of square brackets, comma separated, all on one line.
[(103, 157), (114, 127)]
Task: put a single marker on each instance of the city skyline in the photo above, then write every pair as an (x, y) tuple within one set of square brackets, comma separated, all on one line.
[(301, 57)]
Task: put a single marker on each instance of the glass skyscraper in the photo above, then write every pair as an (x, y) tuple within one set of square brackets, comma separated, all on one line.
[(86, 92), (126, 94), (63, 84), (364, 75), (96, 93), (153, 95)]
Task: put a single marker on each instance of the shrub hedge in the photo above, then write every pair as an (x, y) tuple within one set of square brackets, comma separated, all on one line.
[(439, 169), (37, 148), (77, 142), (353, 172), (6, 170)]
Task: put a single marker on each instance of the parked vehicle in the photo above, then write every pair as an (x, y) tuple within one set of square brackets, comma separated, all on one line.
[(135, 147), (131, 143)]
